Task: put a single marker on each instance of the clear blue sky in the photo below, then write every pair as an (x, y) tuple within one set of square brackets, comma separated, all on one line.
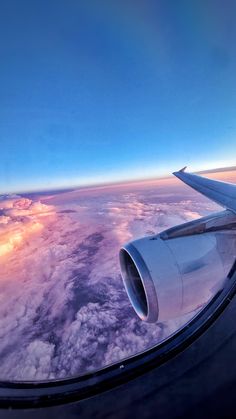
[(96, 91)]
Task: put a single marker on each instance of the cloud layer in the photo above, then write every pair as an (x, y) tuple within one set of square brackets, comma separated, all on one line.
[(63, 308)]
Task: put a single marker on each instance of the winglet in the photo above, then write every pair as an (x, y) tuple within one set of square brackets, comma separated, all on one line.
[(180, 171)]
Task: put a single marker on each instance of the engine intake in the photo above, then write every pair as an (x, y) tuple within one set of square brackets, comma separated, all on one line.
[(167, 278)]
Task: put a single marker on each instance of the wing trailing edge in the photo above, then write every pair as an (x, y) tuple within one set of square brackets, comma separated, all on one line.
[(222, 193)]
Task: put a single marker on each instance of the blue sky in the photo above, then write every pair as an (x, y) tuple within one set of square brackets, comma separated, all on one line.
[(114, 90)]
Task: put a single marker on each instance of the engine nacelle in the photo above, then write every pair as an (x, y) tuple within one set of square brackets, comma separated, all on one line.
[(175, 273)]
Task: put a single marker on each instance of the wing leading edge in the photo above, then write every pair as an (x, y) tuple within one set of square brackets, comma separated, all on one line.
[(222, 193)]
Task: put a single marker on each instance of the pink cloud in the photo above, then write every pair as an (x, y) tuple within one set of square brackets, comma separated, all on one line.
[(63, 307)]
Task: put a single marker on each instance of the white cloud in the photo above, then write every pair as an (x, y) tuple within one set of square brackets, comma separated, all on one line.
[(63, 308)]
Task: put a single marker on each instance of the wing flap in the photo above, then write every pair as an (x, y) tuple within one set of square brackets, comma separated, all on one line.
[(222, 193)]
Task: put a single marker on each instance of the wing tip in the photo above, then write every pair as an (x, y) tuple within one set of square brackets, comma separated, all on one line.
[(180, 171)]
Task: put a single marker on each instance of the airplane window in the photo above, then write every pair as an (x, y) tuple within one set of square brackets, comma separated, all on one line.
[(99, 105), (64, 309)]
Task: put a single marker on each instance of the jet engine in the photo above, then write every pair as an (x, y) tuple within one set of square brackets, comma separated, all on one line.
[(179, 270)]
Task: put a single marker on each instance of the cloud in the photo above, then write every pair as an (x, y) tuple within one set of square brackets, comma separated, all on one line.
[(63, 307), (20, 218)]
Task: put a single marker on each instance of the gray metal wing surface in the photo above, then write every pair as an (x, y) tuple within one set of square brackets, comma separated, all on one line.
[(222, 193)]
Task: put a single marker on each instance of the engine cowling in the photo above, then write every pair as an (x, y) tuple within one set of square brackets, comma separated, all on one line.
[(168, 277)]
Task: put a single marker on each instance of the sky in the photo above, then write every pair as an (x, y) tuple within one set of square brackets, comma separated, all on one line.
[(103, 91)]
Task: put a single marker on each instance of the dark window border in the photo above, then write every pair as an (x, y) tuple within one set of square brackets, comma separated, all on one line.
[(39, 394)]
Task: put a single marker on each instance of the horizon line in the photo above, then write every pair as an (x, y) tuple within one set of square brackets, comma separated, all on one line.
[(110, 183)]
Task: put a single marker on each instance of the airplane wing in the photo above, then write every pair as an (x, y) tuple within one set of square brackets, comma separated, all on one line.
[(222, 193)]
